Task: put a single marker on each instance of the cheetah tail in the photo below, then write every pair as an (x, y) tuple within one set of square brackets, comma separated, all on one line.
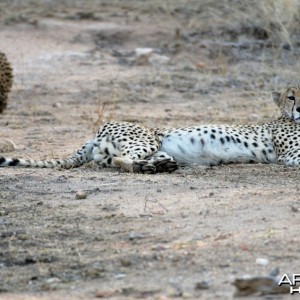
[(12, 162), (79, 158)]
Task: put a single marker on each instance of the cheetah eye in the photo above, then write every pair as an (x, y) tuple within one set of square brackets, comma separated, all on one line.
[(291, 98)]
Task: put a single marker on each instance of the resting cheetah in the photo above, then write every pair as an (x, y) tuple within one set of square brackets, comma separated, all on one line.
[(135, 148), (6, 80)]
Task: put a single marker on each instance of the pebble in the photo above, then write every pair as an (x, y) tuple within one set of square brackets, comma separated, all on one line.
[(52, 280), (201, 285), (174, 291), (81, 194), (259, 285), (262, 261), (105, 293), (120, 276), (143, 51), (158, 247), (135, 236), (145, 56), (7, 146), (157, 60), (274, 272)]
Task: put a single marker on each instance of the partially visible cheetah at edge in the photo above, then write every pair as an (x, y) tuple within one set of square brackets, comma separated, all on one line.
[(6, 80), (135, 148)]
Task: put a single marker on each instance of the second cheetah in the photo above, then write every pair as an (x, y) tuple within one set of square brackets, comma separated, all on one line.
[(6, 80)]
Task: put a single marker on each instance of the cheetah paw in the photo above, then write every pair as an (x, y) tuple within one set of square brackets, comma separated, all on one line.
[(143, 166), (165, 165)]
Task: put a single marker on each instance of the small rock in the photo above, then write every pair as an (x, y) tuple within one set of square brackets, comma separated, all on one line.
[(163, 297), (261, 285), (262, 261), (143, 51), (174, 291), (274, 272), (81, 194), (294, 209), (7, 146), (105, 293), (143, 55), (287, 46), (57, 105), (200, 65), (52, 280), (120, 276), (158, 247), (145, 215), (158, 60), (125, 262), (201, 285), (128, 290), (135, 236)]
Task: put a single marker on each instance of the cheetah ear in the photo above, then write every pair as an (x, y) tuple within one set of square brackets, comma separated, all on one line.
[(276, 97)]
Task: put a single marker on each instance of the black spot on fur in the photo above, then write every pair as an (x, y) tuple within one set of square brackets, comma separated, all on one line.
[(14, 162), (222, 141), (192, 140), (2, 160), (106, 151)]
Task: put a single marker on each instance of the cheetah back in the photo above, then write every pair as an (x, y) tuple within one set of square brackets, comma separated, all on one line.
[(6, 80)]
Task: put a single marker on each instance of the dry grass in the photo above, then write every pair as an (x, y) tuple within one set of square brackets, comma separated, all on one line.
[(279, 18)]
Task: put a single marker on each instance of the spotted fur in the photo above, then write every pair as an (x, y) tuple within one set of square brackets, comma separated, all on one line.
[(135, 148), (6, 80)]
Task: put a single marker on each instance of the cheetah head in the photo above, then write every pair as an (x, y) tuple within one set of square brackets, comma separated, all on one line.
[(288, 102)]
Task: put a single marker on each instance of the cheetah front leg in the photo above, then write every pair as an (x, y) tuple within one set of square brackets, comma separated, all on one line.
[(290, 158)]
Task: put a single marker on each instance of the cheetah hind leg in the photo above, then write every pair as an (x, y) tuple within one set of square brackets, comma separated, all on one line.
[(160, 162), (134, 166)]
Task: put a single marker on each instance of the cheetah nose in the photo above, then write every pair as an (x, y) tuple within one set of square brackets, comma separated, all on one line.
[(298, 109)]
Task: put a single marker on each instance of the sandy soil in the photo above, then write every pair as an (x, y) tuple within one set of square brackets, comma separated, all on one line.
[(183, 235)]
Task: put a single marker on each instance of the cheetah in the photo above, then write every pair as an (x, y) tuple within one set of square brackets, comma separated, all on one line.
[(6, 80), (135, 148)]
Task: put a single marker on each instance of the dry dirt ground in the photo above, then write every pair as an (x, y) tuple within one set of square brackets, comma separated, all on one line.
[(183, 235)]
